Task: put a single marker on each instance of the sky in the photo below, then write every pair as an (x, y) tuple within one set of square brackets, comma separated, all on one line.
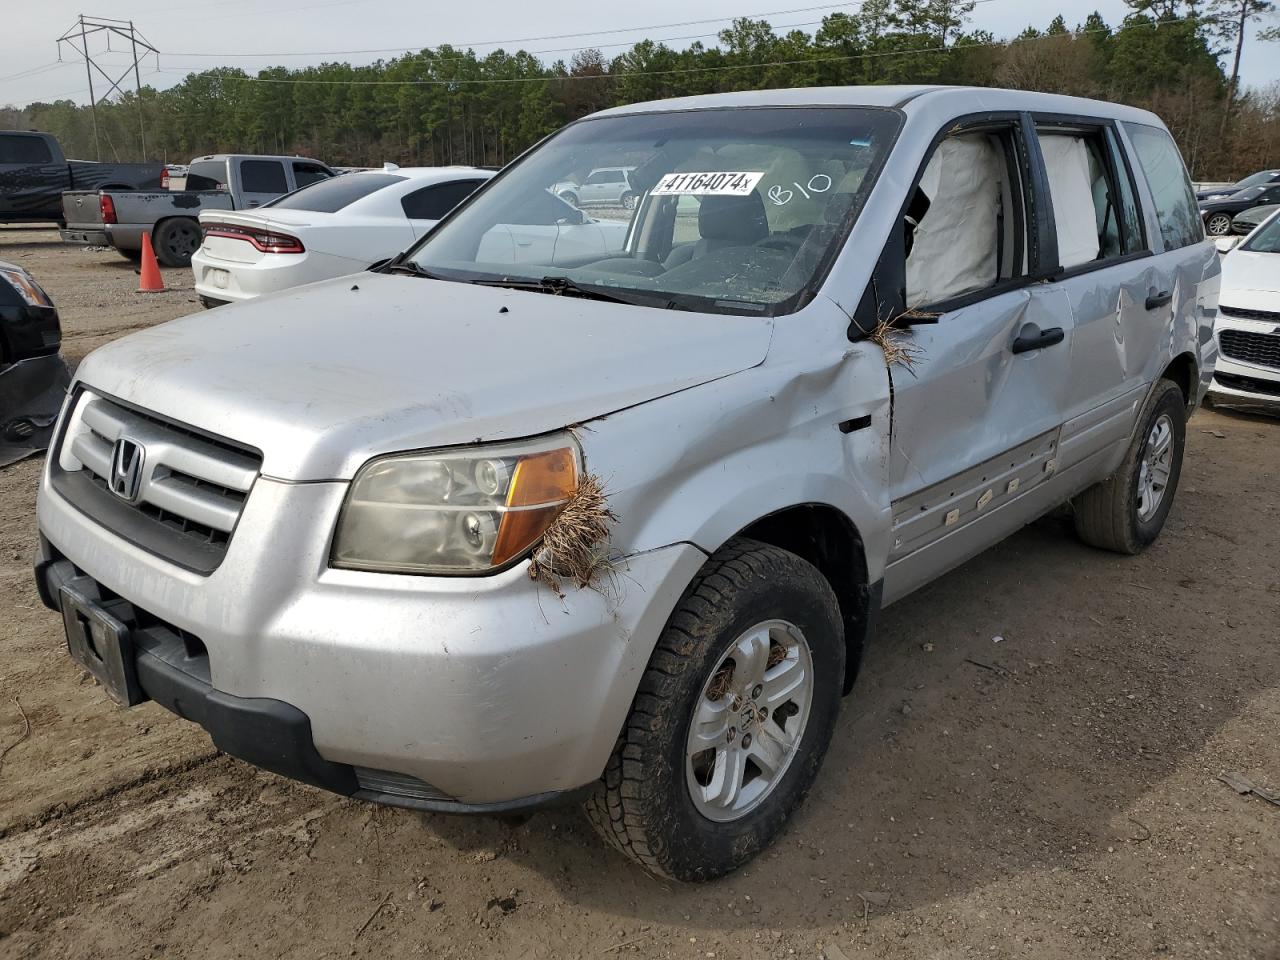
[(253, 34)]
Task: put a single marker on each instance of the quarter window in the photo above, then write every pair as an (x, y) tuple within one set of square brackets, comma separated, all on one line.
[(1176, 207), (305, 174), (433, 202)]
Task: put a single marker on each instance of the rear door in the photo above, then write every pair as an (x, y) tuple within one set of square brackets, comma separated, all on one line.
[(978, 404), (261, 180), (1117, 287)]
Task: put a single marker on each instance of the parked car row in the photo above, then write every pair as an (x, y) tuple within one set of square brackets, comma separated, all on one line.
[(1220, 207)]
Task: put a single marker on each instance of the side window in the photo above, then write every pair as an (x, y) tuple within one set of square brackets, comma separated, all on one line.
[(1093, 198), (965, 223), (599, 176), (1176, 207), (433, 202), (305, 174), (207, 175), (262, 176), (16, 148)]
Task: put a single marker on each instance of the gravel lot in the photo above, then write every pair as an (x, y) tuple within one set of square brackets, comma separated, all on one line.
[(1053, 795)]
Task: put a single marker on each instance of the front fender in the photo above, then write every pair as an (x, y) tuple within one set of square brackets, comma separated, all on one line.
[(701, 465)]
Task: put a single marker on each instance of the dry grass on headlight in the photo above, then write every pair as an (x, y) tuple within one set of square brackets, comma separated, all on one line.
[(572, 547)]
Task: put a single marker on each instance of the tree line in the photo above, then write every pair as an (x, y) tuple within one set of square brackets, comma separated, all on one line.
[(448, 105)]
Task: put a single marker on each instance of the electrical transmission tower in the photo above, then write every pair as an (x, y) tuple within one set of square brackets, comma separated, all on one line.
[(77, 37)]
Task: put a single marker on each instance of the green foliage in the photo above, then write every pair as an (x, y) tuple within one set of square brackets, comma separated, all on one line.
[(446, 105)]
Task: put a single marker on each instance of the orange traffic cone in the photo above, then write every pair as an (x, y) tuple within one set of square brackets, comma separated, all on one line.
[(150, 281)]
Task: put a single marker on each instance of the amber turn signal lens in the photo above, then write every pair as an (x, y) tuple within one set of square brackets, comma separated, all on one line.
[(544, 478), (540, 486)]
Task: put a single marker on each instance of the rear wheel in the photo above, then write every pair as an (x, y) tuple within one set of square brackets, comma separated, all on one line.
[(569, 197), (1127, 511), (732, 718), (629, 200), (1219, 225), (176, 240)]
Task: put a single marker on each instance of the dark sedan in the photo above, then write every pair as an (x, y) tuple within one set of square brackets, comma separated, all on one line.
[(28, 321), (1260, 179), (1218, 214), (1250, 220)]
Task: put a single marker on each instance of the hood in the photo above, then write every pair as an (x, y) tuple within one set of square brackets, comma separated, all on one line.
[(324, 377), (1227, 205), (1251, 280)]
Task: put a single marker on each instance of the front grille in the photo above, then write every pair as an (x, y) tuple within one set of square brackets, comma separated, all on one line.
[(1260, 349), (1270, 388), (191, 487), (1266, 316)]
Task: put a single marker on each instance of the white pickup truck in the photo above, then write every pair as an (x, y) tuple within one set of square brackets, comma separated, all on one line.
[(109, 218)]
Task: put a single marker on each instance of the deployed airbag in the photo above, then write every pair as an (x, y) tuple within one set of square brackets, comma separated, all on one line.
[(1071, 178), (956, 248)]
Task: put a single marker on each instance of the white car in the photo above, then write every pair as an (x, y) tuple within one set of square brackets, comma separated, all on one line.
[(327, 229), (1248, 324)]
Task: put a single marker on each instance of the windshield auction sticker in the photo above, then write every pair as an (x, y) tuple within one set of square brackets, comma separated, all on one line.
[(718, 183)]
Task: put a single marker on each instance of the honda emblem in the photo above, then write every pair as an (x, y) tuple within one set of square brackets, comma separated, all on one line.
[(126, 469)]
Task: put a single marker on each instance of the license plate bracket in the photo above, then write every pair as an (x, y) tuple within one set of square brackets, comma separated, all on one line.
[(102, 644)]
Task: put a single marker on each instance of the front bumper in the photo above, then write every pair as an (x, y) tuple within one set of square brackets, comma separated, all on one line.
[(471, 694)]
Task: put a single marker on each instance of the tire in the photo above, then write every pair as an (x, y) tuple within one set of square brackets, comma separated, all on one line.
[(176, 240), (570, 198), (628, 201), (644, 806), (1114, 515), (1218, 225)]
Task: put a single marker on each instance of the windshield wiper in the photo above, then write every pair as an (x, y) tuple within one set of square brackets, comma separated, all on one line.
[(411, 269), (564, 287)]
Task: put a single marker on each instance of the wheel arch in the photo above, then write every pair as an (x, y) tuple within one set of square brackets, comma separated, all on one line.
[(826, 537), (1185, 372)]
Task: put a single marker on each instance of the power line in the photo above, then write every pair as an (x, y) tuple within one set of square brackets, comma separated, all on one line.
[(554, 36), (756, 65)]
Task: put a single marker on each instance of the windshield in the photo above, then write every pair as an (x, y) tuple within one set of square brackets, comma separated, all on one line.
[(1266, 239), (331, 195), (1250, 194), (1263, 178), (732, 211)]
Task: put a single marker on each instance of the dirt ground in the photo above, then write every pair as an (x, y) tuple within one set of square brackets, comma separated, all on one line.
[(1052, 795)]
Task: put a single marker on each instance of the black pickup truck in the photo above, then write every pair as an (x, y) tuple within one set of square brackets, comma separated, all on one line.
[(34, 173)]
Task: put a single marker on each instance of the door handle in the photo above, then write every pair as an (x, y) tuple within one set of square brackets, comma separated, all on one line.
[(1032, 337), (1157, 300)]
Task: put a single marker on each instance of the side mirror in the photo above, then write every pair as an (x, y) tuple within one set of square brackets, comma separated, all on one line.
[(1226, 244)]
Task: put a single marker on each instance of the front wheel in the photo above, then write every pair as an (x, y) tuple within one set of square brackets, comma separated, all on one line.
[(1127, 511), (1219, 225), (176, 240), (732, 718)]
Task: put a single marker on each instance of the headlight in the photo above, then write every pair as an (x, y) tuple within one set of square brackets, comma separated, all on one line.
[(27, 288), (455, 511)]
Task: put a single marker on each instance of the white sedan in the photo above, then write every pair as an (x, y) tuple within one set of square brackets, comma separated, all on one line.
[(1248, 324), (330, 228), (343, 225)]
